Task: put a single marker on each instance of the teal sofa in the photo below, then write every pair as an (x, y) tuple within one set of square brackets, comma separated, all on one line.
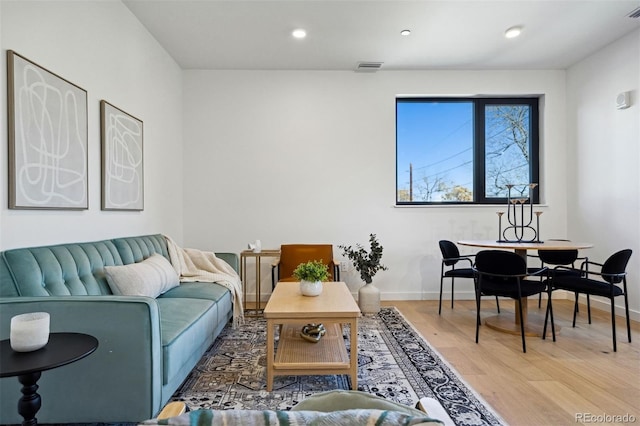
[(147, 346)]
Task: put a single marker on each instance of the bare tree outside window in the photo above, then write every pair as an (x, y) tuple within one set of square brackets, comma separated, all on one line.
[(507, 158)]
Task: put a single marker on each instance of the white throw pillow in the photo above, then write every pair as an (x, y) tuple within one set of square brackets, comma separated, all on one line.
[(151, 277)]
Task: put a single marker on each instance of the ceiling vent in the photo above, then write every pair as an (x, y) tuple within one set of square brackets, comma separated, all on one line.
[(635, 13), (369, 66)]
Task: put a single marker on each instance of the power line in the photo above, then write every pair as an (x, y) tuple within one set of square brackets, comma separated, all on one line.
[(453, 132), (444, 159), (450, 169)]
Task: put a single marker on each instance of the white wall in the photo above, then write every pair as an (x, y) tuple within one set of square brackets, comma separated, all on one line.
[(101, 47), (604, 145), (302, 156)]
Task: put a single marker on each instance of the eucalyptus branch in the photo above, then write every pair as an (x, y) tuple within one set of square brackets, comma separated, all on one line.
[(367, 263)]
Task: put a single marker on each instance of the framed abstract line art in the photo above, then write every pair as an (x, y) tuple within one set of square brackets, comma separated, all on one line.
[(122, 160), (47, 138)]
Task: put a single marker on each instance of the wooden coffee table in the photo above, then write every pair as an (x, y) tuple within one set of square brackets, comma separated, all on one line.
[(288, 308)]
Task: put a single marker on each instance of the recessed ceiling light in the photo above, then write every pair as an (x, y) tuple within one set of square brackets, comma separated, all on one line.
[(405, 32), (299, 33), (513, 32)]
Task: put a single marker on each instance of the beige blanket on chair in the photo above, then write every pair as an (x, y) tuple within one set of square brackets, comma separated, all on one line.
[(204, 266)]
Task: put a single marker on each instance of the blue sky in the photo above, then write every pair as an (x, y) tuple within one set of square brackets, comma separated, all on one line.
[(438, 139)]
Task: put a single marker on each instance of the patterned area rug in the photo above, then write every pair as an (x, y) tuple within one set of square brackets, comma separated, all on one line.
[(394, 362)]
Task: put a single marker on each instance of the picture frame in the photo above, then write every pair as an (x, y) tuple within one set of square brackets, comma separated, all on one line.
[(48, 138), (122, 137)]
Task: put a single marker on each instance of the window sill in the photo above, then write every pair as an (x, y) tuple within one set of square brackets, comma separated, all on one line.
[(464, 206)]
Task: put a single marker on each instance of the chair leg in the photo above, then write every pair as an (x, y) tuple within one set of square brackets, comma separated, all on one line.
[(549, 313), (575, 310), (539, 300), (550, 310), (452, 285), (440, 302), (546, 318), (524, 344), (477, 315), (626, 310), (613, 324), (498, 304), (589, 308)]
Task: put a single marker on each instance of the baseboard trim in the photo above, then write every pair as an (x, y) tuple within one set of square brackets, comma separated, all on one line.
[(596, 302)]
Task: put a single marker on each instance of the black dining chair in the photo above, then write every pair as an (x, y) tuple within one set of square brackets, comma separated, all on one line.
[(504, 273), (450, 258), (553, 258), (610, 282)]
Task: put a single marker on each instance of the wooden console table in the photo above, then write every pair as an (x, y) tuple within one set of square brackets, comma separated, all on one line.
[(257, 256)]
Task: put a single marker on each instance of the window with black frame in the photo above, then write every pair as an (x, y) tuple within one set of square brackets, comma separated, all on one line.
[(466, 150)]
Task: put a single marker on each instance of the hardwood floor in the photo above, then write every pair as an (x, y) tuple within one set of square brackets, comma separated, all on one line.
[(567, 382)]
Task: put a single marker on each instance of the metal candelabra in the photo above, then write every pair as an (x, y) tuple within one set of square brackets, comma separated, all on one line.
[(519, 224)]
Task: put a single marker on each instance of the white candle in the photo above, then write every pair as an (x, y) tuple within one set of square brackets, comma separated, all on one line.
[(29, 332)]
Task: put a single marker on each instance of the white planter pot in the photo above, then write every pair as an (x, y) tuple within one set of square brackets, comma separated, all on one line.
[(310, 288), (369, 299)]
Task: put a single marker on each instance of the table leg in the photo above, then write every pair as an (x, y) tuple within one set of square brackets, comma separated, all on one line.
[(353, 356), (30, 402), (270, 355), (258, 264), (243, 278)]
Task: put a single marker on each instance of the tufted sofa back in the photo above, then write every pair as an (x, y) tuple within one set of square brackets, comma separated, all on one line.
[(136, 249), (7, 286), (75, 269)]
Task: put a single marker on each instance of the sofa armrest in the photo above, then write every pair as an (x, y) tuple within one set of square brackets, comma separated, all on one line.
[(126, 367), (231, 259)]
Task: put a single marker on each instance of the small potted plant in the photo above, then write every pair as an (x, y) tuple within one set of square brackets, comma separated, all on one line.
[(311, 275), (367, 263)]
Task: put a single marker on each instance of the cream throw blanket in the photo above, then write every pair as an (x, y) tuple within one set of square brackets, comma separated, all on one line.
[(197, 265)]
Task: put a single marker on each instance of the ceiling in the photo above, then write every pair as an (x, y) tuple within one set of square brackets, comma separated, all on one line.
[(445, 34)]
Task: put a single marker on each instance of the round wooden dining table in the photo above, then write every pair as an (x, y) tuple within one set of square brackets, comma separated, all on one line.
[(533, 325)]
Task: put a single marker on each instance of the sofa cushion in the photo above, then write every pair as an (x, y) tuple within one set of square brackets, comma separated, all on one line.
[(198, 290), (207, 291), (150, 278), (186, 325)]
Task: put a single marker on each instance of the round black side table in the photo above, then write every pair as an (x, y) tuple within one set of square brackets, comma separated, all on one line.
[(62, 349)]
